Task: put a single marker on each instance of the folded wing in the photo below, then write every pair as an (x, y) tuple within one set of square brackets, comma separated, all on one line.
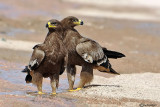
[(90, 51), (36, 58)]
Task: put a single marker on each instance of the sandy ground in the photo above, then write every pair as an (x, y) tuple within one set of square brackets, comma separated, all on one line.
[(144, 86), (130, 29)]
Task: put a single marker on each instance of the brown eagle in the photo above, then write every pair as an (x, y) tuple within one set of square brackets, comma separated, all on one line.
[(47, 59), (84, 52)]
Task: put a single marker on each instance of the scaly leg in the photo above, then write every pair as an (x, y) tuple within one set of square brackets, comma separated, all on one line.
[(37, 79), (86, 76), (39, 87), (54, 83), (71, 72)]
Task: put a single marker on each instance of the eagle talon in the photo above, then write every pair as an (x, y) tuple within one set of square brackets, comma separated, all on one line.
[(53, 93), (75, 90), (40, 92), (70, 90)]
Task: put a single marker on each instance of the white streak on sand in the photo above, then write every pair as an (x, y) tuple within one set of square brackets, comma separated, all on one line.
[(115, 15), (122, 3), (153, 6), (17, 45)]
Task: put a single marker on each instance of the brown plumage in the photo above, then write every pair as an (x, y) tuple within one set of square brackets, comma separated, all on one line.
[(84, 52), (47, 59)]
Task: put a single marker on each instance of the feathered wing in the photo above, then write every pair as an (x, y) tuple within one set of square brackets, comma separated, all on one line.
[(36, 59), (90, 51)]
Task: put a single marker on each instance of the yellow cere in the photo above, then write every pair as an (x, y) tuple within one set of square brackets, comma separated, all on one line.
[(50, 25), (78, 22)]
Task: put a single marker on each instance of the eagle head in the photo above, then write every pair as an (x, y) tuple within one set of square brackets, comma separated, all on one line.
[(53, 24), (71, 21)]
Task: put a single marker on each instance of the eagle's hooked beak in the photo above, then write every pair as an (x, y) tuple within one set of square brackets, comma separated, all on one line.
[(79, 22), (49, 25)]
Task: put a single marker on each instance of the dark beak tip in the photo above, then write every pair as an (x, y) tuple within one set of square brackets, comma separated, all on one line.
[(46, 25), (81, 23)]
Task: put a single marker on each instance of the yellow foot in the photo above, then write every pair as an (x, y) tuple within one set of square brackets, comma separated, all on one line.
[(40, 92), (75, 89), (53, 93)]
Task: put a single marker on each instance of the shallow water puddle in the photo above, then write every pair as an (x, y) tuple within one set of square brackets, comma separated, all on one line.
[(13, 31), (13, 93), (12, 73), (4, 6)]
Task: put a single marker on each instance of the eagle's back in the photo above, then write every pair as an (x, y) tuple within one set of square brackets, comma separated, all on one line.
[(54, 54), (72, 38)]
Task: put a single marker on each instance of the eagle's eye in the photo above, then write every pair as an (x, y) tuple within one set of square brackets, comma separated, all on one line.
[(73, 20), (53, 23)]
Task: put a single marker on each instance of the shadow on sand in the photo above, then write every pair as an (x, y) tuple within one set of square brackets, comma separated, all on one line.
[(97, 85)]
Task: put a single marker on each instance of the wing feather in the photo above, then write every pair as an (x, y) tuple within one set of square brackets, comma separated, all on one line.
[(90, 50), (36, 59)]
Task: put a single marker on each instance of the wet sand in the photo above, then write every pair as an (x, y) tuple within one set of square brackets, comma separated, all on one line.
[(138, 39)]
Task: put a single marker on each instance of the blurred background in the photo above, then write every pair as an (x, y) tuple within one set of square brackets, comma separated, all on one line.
[(128, 26)]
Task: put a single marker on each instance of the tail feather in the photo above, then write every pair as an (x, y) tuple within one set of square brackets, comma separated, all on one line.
[(106, 70), (113, 54), (105, 66), (28, 78), (25, 70), (113, 71)]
